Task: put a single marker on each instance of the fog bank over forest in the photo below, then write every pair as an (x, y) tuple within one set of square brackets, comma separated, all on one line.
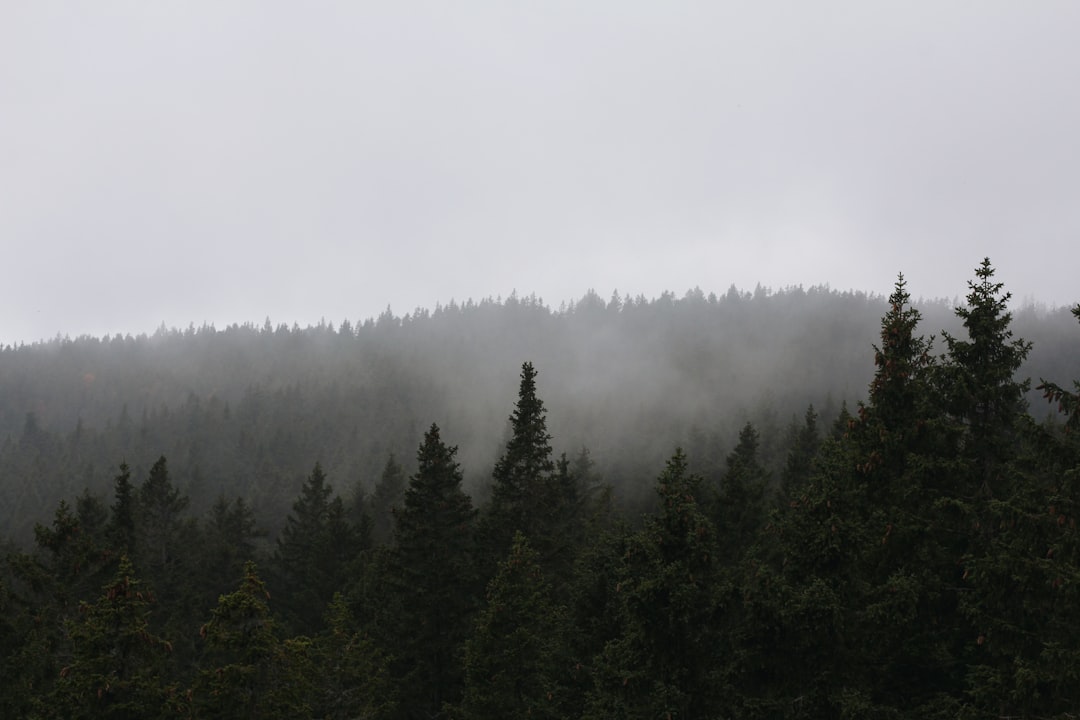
[(247, 409)]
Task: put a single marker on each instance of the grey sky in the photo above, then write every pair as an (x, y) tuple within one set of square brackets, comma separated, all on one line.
[(190, 162)]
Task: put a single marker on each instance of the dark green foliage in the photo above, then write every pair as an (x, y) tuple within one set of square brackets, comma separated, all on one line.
[(160, 519), (666, 659), (351, 674), (228, 544), (389, 494), (979, 384), (116, 660), (432, 582), (554, 504), (1024, 577), (247, 671), (168, 544), (314, 553), (804, 443), (740, 501), (523, 494), (799, 658), (923, 561), (122, 520), (515, 657)]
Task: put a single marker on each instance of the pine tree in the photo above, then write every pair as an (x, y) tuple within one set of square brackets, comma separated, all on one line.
[(979, 381), (740, 501), (122, 521), (906, 609), (229, 537), (521, 496), (48, 590), (665, 662), (314, 553), (116, 659), (389, 494), (160, 509), (799, 595), (798, 465), (167, 544), (351, 674), (432, 582), (1024, 585), (535, 495), (246, 670), (513, 658)]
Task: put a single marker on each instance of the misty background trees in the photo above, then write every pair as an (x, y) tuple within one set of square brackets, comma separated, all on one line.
[(246, 411), (794, 504)]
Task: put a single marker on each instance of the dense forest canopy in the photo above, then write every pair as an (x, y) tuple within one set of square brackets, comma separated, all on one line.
[(246, 409), (792, 504)]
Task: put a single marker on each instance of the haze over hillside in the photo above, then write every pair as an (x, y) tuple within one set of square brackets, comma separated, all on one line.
[(249, 408), (193, 162)]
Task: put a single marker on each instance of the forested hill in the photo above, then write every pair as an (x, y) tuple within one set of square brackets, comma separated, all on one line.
[(915, 555), (246, 410)]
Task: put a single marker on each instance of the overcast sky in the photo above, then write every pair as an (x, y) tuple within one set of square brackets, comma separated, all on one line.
[(219, 161)]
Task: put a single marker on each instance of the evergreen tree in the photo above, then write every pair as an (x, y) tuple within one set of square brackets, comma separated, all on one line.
[(351, 674), (795, 654), (161, 508), (122, 520), (907, 607), (798, 465), (116, 659), (93, 519), (313, 553), (514, 658), (666, 661), (167, 544), (979, 381), (48, 589), (521, 495), (1024, 586), (535, 495), (432, 582), (740, 501), (229, 537), (246, 670), (389, 494)]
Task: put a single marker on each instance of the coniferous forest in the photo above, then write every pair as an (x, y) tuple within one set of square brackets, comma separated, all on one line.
[(790, 504)]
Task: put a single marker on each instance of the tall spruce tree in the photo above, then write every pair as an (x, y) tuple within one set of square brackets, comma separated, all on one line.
[(1024, 584), (514, 658), (432, 582), (228, 537), (351, 673), (666, 661), (116, 660), (804, 441), (980, 380), (313, 554), (160, 509), (740, 500), (246, 670), (121, 529), (389, 494), (534, 495), (906, 612), (521, 494)]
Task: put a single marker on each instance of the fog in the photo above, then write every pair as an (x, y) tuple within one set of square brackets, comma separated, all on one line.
[(248, 409), (195, 162)]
